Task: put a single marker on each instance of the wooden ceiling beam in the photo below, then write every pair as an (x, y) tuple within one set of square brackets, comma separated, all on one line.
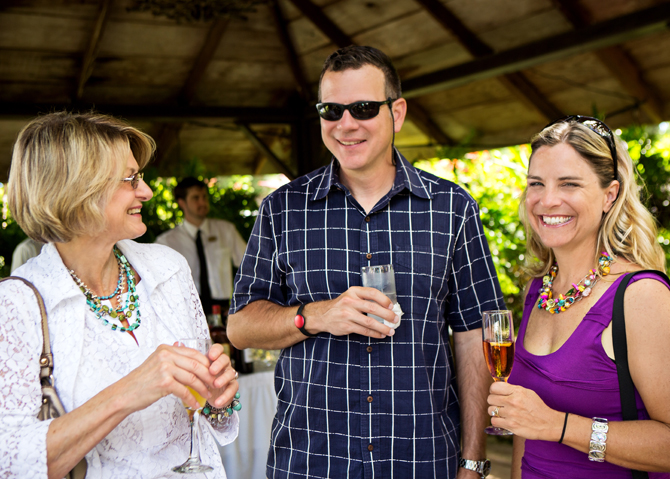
[(624, 69), (517, 83), (453, 24), (204, 58), (166, 140), (291, 55), (341, 39), (158, 113), (418, 116), (266, 151), (323, 23), (604, 34), (618, 62), (92, 49)]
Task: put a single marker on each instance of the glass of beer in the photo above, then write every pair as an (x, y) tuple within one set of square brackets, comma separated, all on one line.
[(193, 464), (498, 341)]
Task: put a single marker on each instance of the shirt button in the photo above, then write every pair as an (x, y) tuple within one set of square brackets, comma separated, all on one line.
[(367, 220), (368, 256), (369, 349), (369, 398), (370, 447)]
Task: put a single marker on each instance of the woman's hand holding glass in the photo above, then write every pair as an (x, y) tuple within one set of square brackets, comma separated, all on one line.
[(224, 386)]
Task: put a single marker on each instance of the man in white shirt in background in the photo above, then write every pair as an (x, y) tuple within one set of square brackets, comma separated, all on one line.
[(26, 249), (222, 246)]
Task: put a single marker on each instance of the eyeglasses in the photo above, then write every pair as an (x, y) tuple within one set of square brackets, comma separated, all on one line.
[(134, 180), (596, 126), (360, 110)]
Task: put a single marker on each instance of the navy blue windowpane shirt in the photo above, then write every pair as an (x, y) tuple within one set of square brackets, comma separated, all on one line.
[(353, 406)]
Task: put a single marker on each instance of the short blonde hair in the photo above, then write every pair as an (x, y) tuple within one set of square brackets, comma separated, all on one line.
[(63, 172), (628, 229)]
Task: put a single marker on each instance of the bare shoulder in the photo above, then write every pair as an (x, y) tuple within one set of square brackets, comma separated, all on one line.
[(647, 302)]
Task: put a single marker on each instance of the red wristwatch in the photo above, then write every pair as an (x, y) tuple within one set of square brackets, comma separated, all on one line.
[(299, 321)]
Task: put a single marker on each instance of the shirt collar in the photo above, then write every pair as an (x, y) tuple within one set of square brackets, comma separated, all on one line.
[(192, 229), (406, 177)]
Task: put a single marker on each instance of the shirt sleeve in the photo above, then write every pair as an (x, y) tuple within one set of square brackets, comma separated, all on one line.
[(259, 277), (473, 280), (22, 436)]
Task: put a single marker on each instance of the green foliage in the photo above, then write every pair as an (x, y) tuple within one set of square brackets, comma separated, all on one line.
[(495, 179), (234, 199), (11, 235)]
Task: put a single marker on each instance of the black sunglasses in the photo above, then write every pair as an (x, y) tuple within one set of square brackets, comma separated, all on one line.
[(360, 110), (596, 126)]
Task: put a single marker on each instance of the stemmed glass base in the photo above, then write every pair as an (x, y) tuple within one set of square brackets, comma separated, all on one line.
[(193, 464)]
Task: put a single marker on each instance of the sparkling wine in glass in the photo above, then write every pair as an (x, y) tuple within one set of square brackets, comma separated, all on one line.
[(193, 464), (498, 342)]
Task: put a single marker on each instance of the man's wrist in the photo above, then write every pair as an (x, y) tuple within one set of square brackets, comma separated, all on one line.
[(300, 321)]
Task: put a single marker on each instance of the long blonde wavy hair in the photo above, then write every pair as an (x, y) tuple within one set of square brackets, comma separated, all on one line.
[(628, 229)]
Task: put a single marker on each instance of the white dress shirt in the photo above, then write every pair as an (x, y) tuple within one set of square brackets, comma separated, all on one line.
[(223, 247), (26, 249)]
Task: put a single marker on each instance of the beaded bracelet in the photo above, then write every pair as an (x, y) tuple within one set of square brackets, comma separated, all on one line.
[(218, 415)]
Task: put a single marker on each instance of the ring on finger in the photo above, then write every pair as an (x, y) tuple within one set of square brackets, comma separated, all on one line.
[(237, 375), (494, 413)]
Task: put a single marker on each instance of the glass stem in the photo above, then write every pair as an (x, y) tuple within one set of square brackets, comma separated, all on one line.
[(194, 455)]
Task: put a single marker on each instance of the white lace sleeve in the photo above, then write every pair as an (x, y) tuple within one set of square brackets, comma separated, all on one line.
[(22, 436)]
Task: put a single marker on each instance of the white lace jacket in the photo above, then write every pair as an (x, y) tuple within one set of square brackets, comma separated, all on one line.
[(88, 357)]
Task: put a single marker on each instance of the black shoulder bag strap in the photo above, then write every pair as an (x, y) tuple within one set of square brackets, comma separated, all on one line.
[(626, 387)]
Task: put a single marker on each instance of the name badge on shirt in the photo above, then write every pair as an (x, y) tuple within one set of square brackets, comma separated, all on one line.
[(211, 238)]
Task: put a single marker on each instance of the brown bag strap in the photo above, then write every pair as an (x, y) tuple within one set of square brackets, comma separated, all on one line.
[(46, 359)]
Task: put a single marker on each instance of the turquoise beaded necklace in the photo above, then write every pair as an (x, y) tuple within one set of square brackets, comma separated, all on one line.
[(132, 302)]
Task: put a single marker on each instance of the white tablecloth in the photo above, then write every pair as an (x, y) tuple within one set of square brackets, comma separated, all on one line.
[(246, 457)]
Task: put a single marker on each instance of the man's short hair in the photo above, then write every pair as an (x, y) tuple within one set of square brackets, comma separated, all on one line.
[(354, 57), (65, 168), (181, 190)]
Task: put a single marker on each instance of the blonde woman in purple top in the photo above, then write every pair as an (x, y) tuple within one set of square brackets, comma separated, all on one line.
[(586, 228)]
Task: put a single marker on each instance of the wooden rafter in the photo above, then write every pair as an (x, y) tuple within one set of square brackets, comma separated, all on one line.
[(166, 140), (204, 58), (291, 55), (617, 61), (323, 23), (265, 150), (517, 83), (593, 37), (341, 39), (92, 49), (169, 132), (160, 113)]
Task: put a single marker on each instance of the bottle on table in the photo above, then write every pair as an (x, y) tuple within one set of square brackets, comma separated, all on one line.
[(244, 363), (217, 330)]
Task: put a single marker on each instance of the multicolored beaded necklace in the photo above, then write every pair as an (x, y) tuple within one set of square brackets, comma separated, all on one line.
[(132, 303), (577, 292)]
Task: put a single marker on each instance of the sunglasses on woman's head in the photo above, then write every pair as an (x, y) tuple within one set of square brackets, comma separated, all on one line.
[(360, 110), (596, 126)]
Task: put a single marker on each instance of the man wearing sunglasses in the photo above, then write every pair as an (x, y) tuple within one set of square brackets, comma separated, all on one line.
[(357, 398)]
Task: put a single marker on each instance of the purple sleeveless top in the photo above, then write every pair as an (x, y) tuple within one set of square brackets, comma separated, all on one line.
[(580, 379)]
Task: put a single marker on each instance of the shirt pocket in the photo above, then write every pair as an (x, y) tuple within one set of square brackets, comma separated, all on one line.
[(421, 269)]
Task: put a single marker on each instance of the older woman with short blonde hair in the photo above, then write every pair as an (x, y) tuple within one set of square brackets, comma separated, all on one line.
[(116, 310)]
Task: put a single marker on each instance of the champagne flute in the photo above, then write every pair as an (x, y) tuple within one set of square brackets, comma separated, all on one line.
[(193, 464), (498, 342)]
